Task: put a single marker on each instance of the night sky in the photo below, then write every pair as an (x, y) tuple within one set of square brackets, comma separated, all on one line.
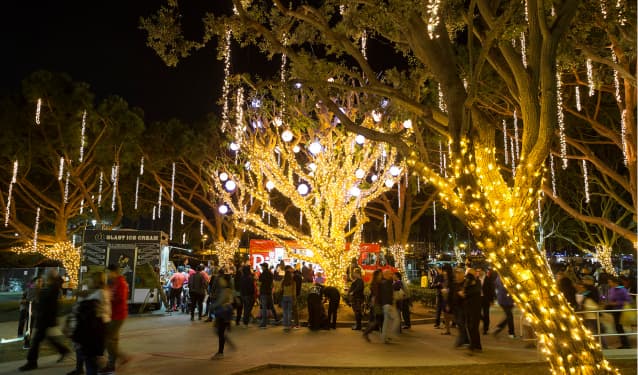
[(100, 43)]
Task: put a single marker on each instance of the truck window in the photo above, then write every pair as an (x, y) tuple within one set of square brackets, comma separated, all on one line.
[(369, 259)]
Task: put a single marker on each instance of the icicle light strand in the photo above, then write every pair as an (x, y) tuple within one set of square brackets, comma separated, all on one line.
[(561, 119), (181, 218), (586, 181), (170, 235), (623, 135), (61, 169), (226, 85), (82, 206), (505, 152), (38, 107), (364, 43), (523, 50), (142, 166), (14, 179), (434, 214), (35, 230), (590, 78), (616, 78), (442, 104), (137, 191), (116, 177), (201, 227), (516, 135), (577, 95), (99, 191), (82, 140), (513, 160), (159, 203), (66, 188), (551, 167)]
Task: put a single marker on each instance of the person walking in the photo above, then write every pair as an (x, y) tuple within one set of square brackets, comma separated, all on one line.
[(119, 312), (391, 322), (506, 303), (402, 300), (89, 318), (222, 307), (356, 296), (488, 292), (616, 299), (375, 319), (47, 306), (472, 306), (197, 291), (265, 295), (247, 293)]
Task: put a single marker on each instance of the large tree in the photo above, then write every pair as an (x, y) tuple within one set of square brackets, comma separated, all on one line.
[(457, 70)]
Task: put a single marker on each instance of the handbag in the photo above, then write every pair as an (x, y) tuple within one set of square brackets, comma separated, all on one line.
[(224, 311)]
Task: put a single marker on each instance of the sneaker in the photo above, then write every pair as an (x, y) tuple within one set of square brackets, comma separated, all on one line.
[(218, 356), (296, 327), (28, 366), (511, 336)]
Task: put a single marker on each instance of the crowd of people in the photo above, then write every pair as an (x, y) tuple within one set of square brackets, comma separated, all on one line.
[(93, 326)]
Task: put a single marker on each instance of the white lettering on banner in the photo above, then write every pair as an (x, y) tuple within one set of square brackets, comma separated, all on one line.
[(131, 237), (257, 260)]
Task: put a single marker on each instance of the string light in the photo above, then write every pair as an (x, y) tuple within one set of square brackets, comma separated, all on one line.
[(364, 42), (586, 181), (433, 17), (526, 12), (616, 78), (505, 153), (385, 220), (36, 227), (142, 166), (551, 166), (201, 227), (590, 77), (159, 203), (63, 251), (137, 190), (623, 135), (577, 95), (603, 254), (116, 177), (66, 188), (516, 135), (523, 50), (226, 85), (442, 104), (170, 236), (154, 212), (61, 169), (513, 159), (99, 194), (14, 179), (183, 237), (603, 8), (82, 140), (561, 119), (434, 214), (81, 206), (441, 159), (181, 218), (38, 106)]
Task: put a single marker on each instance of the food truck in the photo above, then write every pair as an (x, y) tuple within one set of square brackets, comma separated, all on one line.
[(141, 255)]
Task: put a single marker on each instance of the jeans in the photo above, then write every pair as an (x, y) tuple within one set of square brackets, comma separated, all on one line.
[(176, 297), (197, 300), (509, 320), (286, 305), (266, 304), (41, 335), (82, 360), (333, 306), (113, 341)]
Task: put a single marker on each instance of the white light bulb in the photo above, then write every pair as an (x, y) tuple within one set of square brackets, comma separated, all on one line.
[(312, 166), (389, 182), (247, 166), (223, 176), (303, 189), (234, 146), (395, 171), (314, 148), (223, 209), (230, 185), (278, 121), (360, 139), (355, 191), (407, 124), (286, 136), (374, 177), (359, 173), (296, 149), (376, 116), (298, 85), (270, 185)]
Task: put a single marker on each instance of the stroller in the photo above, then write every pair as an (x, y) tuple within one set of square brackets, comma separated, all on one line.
[(185, 300)]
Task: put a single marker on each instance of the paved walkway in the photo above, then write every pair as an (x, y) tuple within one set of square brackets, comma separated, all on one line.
[(174, 344)]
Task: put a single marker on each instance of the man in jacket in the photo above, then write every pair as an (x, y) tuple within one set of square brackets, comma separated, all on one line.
[(47, 303), (247, 292), (507, 304), (265, 295), (197, 290)]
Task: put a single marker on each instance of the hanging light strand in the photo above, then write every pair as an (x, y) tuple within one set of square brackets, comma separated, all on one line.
[(14, 179), (506, 152), (170, 235), (442, 104), (590, 78), (364, 43), (623, 135), (36, 229), (226, 85), (159, 203), (61, 169), (516, 135), (142, 166), (38, 107), (616, 78), (586, 181), (137, 191), (181, 218), (434, 214), (99, 189), (66, 188), (551, 167), (82, 140), (523, 49), (513, 157), (116, 177), (201, 227), (561, 119), (433, 18), (577, 95)]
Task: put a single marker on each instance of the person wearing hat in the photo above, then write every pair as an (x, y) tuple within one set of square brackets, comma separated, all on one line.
[(265, 295)]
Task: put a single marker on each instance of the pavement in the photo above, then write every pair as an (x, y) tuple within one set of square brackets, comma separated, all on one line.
[(170, 344)]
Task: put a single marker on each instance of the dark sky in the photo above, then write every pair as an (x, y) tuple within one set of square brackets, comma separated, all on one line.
[(99, 42)]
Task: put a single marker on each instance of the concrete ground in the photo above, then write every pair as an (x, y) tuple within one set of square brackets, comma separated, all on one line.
[(163, 344)]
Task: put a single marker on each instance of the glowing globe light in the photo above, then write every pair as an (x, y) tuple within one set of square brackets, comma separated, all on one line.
[(278, 121), (374, 177), (230, 186), (407, 124), (355, 191), (247, 165), (389, 182), (376, 116), (384, 103), (395, 171), (223, 209), (312, 166), (296, 149), (359, 173), (314, 148), (286, 136), (255, 103), (234, 146), (270, 185), (331, 79), (223, 176), (297, 85), (303, 189), (360, 139)]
